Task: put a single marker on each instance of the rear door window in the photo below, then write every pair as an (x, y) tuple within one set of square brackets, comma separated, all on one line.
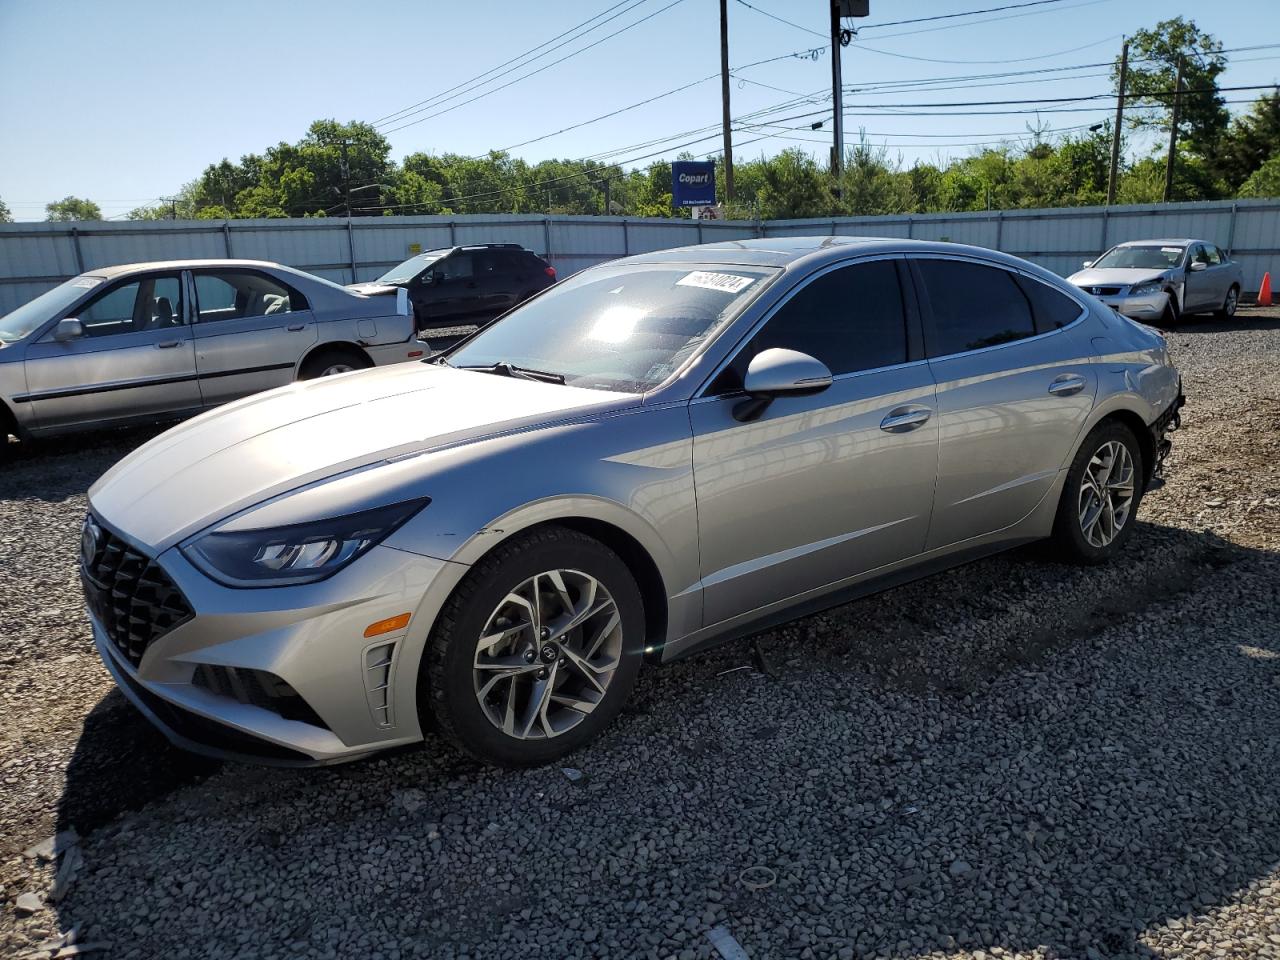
[(973, 306), (237, 294)]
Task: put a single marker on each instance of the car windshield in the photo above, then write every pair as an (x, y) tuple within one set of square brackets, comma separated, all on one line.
[(1153, 257), (620, 328), (406, 271), (29, 316)]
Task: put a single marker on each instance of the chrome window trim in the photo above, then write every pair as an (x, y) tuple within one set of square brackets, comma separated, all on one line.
[(701, 394), (1084, 310)]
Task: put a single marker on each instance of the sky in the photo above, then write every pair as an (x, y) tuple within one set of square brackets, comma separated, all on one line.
[(123, 102)]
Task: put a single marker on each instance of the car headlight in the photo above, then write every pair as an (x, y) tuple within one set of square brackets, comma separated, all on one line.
[(1145, 289), (298, 553)]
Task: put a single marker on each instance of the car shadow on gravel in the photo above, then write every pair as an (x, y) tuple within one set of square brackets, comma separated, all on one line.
[(1013, 753), (59, 467)]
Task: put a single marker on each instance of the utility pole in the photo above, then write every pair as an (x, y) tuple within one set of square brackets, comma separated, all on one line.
[(1115, 134), (608, 196), (724, 100), (346, 179), (837, 101), (1173, 134)]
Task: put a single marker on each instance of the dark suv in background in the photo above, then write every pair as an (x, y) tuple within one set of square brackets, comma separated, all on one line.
[(467, 285)]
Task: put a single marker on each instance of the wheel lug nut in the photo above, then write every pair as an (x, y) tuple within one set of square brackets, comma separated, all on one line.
[(542, 674), (529, 656), (544, 633)]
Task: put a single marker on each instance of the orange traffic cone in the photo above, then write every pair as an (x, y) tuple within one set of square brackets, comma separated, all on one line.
[(1264, 294)]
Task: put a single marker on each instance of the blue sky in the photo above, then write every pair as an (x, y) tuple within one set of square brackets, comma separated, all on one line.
[(123, 102)]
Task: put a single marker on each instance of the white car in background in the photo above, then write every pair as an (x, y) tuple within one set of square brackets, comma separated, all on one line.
[(155, 341), (1159, 280)]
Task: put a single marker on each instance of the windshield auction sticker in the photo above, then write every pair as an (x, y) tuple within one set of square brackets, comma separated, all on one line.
[(724, 282)]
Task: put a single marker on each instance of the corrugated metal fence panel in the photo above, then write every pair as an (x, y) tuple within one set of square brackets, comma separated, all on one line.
[(36, 256)]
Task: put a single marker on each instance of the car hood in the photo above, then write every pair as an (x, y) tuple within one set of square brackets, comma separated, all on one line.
[(1116, 276), (374, 289), (240, 455)]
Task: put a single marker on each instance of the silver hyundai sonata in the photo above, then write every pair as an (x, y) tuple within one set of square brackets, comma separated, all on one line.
[(655, 455)]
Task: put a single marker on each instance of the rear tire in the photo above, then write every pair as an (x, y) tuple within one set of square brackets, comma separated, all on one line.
[(1228, 308), (542, 688), (1090, 529), (331, 361)]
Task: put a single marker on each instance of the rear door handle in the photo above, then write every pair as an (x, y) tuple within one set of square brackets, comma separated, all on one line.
[(295, 327), (167, 344), (1066, 385), (905, 418)]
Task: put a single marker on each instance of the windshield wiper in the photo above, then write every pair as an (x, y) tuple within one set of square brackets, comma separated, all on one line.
[(505, 369)]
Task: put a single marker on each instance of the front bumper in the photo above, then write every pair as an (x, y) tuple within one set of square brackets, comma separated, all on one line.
[(346, 695), (1149, 307), (1165, 424)]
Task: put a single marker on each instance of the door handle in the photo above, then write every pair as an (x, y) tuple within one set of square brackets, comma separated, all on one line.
[(1066, 385), (904, 418), (295, 327), (167, 344)]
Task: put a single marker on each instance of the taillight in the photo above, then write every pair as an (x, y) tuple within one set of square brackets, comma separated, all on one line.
[(550, 271)]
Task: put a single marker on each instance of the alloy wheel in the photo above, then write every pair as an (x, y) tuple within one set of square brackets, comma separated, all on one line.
[(547, 654), (1229, 307), (1106, 493), (336, 368)]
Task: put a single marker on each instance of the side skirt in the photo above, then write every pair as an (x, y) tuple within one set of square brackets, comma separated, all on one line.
[(718, 634)]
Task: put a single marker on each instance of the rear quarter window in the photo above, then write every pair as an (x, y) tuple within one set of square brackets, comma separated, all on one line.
[(973, 306), (1051, 308)]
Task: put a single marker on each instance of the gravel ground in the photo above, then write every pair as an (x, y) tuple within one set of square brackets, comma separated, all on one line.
[(1013, 759)]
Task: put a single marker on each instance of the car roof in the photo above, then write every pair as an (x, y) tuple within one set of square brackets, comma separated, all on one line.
[(121, 269), (1170, 241), (785, 251)]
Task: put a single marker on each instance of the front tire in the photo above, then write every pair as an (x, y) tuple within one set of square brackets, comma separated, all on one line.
[(1169, 318), (536, 651), (1228, 308), (1100, 498)]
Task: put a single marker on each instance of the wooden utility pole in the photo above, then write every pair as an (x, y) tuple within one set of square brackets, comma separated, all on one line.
[(724, 100), (837, 101), (1173, 134), (1115, 134), (346, 179)]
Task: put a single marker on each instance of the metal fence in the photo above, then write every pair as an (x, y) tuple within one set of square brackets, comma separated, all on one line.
[(36, 256)]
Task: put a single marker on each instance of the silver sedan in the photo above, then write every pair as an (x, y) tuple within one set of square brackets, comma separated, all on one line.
[(148, 341), (1160, 280), (654, 455)]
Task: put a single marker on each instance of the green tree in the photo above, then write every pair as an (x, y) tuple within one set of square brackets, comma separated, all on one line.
[(72, 208), (1153, 65), (1263, 182), (1250, 140), (794, 187), (5, 215), (871, 185)]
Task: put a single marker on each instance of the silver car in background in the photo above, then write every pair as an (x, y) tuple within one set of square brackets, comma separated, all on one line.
[(1160, 280), (149, 341), (654, 455)]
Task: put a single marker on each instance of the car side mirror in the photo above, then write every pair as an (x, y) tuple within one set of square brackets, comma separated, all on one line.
[(68, 329), (777, 373), (1086, 264), (1197, 265)]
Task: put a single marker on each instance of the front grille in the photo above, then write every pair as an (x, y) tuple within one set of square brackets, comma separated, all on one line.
[(256, 688), (1105, 291), (131, 596)]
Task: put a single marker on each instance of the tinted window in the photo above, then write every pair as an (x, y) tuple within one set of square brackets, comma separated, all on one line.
[(851, 319), (149, 303), (457, 267), (973, 306), (1212, 254), (231, 295), (1052, 309)]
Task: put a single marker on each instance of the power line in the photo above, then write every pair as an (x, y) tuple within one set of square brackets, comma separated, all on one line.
[(531, 73), (789, 23), (964, 13), (974, 23), (510, 64), (1043, 56)]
